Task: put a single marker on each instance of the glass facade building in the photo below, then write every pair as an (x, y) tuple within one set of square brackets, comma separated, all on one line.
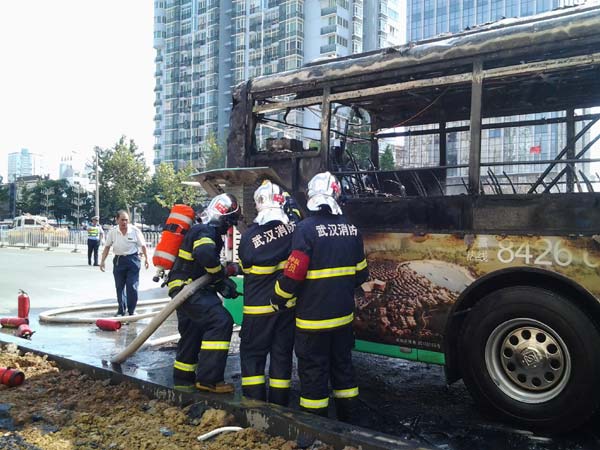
[(431, 18), (205, 47)]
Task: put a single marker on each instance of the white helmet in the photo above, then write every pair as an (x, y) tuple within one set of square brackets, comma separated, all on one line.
[(269, 200), (324, 189), (222, 211)]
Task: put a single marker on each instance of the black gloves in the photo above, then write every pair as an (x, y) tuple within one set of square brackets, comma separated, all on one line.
[(226, 288)]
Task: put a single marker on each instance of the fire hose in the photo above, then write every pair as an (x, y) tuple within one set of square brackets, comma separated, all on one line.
[(178, 300)]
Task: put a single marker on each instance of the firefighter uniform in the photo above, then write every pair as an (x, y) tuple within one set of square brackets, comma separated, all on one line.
[(204, 324), (263, 253), (326, 264)]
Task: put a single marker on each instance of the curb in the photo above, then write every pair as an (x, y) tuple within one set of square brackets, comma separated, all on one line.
[(272, 419)]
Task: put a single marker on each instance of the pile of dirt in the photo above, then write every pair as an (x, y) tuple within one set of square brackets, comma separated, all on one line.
[(65, 409)]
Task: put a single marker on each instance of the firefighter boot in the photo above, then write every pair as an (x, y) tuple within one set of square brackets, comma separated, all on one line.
[(218, 388), (345, 409)]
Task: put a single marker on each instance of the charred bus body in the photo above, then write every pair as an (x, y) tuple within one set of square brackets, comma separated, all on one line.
[(487, 261)]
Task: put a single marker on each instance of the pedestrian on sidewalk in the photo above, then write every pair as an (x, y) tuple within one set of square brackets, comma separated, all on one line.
[(127, 241), (95, 236)]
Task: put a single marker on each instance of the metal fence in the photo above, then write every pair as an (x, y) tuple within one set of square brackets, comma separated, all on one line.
[(57, 238)]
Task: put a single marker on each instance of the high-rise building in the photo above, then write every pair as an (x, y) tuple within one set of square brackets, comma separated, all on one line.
[(430, 18), (25, 163), (205, 47)]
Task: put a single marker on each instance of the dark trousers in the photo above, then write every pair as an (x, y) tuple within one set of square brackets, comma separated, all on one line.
[(126, 270), (205, 327), (323, 357), (263, 335), (93, 245)]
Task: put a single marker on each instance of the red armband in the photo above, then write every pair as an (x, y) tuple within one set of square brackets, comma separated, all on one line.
[(296, 265)]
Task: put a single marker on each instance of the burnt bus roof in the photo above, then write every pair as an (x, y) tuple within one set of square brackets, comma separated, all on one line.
[(549, 62)]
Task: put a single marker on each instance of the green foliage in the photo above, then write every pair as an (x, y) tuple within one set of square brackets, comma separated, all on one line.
[(386, 161), (167, 189), (123, 178), (214, 153), (57, 199)]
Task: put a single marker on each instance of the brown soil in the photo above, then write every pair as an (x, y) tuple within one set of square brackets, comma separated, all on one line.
[(57, 409)]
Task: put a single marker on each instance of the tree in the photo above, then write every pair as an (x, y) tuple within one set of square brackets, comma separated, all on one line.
[(215, 156), (387, 159), (167, 189), (124, 177)]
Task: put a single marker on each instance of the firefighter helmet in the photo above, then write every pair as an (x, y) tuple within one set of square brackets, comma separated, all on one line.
[(324, 190), (269, 200), (222, 211)]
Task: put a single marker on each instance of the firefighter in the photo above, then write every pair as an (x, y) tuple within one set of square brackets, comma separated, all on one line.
[(263, 251), (204, 324), (326, 264)]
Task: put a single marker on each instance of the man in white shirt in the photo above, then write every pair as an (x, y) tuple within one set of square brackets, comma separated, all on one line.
[(127, 241)]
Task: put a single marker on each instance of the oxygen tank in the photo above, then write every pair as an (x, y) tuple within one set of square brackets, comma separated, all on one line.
[(23, 304), (180, 220)]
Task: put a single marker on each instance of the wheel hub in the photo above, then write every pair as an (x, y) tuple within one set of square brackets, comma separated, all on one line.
[(527, 360)]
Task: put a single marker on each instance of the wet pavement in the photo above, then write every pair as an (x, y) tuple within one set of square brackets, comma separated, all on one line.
[(405, 399)]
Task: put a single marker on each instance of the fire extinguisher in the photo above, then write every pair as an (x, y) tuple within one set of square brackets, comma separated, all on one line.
[(11, 377), (23, 302), (23, 331), (108, 324)]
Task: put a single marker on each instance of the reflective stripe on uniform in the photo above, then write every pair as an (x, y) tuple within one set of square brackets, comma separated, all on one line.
[(267, 309), (346, 393), (164, 255), (215, 269), (184, 367), (279, 383), (361, 265), (314, 404), (253, 381), (324, 324), (215, 345), (203, 241), (331, 272), (254, 310), (181, 217), (265, 270), (185, 255), (281, 292), (177, 283)]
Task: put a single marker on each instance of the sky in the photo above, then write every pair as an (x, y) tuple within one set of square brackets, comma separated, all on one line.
[(75, 74)]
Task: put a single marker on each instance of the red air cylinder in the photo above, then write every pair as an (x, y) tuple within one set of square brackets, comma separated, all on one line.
[(23, 331), (11, 377), (108, 324), (13, 322), (179, 221)]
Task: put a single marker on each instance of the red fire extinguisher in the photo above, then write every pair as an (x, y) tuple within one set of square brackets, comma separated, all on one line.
[(11, 377), (108, 324), (12, 322), (23, 304), (23, 331)]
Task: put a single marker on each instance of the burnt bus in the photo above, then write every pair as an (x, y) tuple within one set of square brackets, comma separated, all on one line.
[(483, 239)]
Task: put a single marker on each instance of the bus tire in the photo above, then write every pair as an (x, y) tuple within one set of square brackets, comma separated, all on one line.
[(533, 357)]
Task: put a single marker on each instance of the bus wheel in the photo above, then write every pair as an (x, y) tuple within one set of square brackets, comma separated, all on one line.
[(532, 356)]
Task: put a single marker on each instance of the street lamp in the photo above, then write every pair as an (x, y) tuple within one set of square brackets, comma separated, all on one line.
[(77, 202), (97, 164)]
